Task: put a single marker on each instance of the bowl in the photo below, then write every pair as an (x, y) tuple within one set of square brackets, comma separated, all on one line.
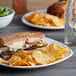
[(6, 20)]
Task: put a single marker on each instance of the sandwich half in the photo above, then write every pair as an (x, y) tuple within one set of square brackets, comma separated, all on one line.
[(22, 40)]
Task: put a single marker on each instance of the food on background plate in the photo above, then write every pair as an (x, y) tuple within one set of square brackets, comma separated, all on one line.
[(57, 9), (42, 19), (4, 11), (29, 49)]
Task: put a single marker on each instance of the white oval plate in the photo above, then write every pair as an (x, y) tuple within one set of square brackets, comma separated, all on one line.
[(49, 41), (36, 26)]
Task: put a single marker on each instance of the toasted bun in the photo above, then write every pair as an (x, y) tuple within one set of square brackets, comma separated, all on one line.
[(21, 36), (57, 9)]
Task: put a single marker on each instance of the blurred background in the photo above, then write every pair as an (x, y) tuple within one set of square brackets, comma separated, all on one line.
[(31, 4)]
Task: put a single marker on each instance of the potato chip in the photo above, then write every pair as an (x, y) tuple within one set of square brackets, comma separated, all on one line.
[(31, 64), (3, 61), (60, 56), (56, 21), (30, 58), (44, 50), (62, 49), (56, 50), (22, 54), (51, 58), (40, 57), (15, 60)]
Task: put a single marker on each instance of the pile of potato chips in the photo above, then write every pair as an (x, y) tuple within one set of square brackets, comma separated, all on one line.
[(35, 57), (42, 19)]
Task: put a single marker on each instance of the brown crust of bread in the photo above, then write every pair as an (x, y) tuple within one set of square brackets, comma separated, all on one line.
[(57, 9), (14, 37)]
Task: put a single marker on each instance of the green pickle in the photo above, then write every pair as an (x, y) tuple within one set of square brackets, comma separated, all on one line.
[(39, 45)]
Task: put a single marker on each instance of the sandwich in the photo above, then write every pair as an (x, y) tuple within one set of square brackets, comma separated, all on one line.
[(11, 43), (57, 9)]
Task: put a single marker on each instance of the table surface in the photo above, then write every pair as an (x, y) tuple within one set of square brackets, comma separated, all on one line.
[(66, 68)]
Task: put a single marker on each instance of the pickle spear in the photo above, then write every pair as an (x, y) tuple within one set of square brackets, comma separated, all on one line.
[(39, 45)]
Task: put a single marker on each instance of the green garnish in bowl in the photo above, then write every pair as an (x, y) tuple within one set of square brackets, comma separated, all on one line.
[(4, 11)]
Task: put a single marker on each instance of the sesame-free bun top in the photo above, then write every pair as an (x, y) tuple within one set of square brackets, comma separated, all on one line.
[(57, 9), (20, 36)]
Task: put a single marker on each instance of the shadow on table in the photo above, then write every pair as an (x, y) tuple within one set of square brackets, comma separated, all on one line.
[(39, 29), (7, 70)]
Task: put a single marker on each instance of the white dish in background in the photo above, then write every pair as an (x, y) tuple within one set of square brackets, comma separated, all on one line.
[(48, 40), (6, 20), (36, 26)]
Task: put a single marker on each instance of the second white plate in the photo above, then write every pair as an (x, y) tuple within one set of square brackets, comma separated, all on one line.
[(36, 26)]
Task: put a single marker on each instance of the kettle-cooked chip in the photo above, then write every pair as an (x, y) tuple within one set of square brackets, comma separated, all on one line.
[(29, 58), (57, 51), (31, 64), (21, 53), (57, 21), (44, 50), (40, 57), (3, 61), (52, 59), (15, 60)]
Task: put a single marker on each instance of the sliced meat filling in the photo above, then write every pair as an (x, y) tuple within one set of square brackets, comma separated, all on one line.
[(6, 53), (29, 43)]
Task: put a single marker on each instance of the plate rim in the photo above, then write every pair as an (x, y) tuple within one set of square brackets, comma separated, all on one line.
[(46, 65), (36, 26)]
